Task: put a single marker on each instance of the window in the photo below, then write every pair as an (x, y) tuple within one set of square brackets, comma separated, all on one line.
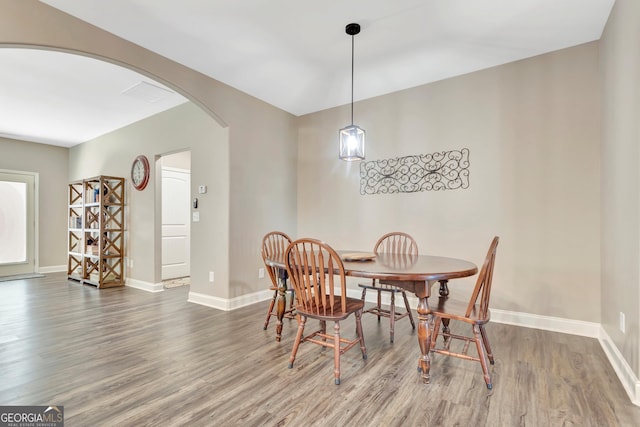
[(13, 222)]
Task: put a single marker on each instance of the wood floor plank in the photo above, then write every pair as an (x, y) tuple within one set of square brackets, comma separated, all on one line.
[(125, 357)]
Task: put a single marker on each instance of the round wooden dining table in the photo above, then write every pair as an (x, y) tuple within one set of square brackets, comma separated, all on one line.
[(415, 273)]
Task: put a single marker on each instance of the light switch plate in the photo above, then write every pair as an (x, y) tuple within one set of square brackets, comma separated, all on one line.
[(196, 216)]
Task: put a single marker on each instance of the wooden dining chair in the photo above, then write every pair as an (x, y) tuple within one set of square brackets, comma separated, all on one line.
[(319, 282), (274, 245), (394, 243), (475, 312)]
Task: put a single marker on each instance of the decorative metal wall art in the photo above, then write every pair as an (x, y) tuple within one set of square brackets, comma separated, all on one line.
[(444, 170)]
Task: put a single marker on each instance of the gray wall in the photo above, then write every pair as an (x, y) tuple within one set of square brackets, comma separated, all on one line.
[(532, 128), (185, 127), (620, 64), (51, 164)]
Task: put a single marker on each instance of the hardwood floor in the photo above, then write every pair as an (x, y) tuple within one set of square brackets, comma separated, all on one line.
[(126, 357)]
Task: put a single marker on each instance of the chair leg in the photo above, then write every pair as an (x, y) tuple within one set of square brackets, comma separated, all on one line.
[(273, 302), (296, 343), (408, 307), (446, 333), (363, 349), (446, 337), (291, 301), (445, 329), (487, 346), (364, 293), (336, 352), (392, 317), (323, 328), (482, 355), (436, 331), (379, 304)]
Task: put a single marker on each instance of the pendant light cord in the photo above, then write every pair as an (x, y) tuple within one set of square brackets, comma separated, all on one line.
[(352, 44)]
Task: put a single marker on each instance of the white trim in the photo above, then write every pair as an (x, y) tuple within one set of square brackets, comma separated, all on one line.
[(546, 323), (624, 372), (372, 297), (173, 169), (145, 286), (36, 221), (527, 320), (229, 304), (52, 269), (208, 301)]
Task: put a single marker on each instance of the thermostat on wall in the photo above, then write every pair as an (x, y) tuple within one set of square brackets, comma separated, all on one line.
[(202, 189)]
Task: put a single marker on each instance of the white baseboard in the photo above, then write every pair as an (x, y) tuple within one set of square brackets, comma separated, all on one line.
[(546, 323), (145, 286), (209, 301), (627, 377), (52, 269), (527, 320), (229, 304), (372, 297)]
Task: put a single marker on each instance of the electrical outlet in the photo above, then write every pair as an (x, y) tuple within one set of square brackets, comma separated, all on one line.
[(130, 263), (261, 273), (211, 276), (623, 327)]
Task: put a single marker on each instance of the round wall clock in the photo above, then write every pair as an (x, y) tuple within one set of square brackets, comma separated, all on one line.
[(140, 172)]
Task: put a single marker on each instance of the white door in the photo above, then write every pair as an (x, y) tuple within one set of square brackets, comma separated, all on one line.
[(176, 184), (17, 223)]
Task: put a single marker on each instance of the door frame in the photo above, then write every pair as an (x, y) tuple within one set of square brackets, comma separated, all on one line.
[(32, 224)]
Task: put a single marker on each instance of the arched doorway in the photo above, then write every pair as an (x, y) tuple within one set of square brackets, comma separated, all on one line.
[(112, 152)]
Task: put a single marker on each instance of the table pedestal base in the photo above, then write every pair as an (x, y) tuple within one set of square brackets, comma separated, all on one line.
[(422, 289)]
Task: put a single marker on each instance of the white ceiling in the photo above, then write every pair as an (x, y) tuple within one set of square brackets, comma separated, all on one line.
[(62, 99), (290, 53)]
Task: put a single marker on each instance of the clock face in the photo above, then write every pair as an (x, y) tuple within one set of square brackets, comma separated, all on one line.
[(140, 172)]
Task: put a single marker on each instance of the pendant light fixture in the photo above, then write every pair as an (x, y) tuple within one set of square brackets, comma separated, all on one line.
[(352, 137)]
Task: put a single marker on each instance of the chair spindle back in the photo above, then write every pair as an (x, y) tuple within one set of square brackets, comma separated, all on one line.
[(317, 275), (274, 245), (396, 243), (483, 284)]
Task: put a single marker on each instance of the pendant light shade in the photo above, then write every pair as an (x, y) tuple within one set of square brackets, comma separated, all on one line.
[(352, 137), (352, 143)]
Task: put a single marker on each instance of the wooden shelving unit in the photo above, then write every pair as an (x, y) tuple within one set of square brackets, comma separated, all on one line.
[(96, 231)]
